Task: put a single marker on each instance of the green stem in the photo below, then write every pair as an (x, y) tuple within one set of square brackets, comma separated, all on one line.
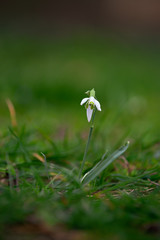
[(87, 145)]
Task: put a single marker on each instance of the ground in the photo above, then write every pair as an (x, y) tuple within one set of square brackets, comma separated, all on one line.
[(43, 141)]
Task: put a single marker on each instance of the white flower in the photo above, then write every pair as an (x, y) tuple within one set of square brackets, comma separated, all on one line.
[(91, 102)]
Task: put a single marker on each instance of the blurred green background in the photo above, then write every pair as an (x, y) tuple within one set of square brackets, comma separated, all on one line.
[(52, 52), (47, 78)]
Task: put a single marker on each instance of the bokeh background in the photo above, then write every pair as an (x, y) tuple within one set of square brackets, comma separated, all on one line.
[(52, 52)]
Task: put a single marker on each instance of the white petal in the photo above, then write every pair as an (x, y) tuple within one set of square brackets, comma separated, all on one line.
[(89, 113), (83, 101), (98, 106), (92, 99)]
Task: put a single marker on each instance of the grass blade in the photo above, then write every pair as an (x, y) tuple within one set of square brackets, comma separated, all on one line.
[(100, 166)]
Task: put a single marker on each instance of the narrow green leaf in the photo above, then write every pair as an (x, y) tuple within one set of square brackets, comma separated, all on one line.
[(100, 166)]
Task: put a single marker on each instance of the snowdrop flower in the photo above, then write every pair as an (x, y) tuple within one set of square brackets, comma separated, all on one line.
[(91, 103)]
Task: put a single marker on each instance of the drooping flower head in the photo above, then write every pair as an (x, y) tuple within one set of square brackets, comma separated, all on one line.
[(91, 103)]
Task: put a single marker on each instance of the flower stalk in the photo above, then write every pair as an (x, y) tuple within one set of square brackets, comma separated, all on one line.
[(91, 105), (88, 142)]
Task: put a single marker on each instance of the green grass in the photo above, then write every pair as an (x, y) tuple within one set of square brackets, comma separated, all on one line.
[(46, 80)]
